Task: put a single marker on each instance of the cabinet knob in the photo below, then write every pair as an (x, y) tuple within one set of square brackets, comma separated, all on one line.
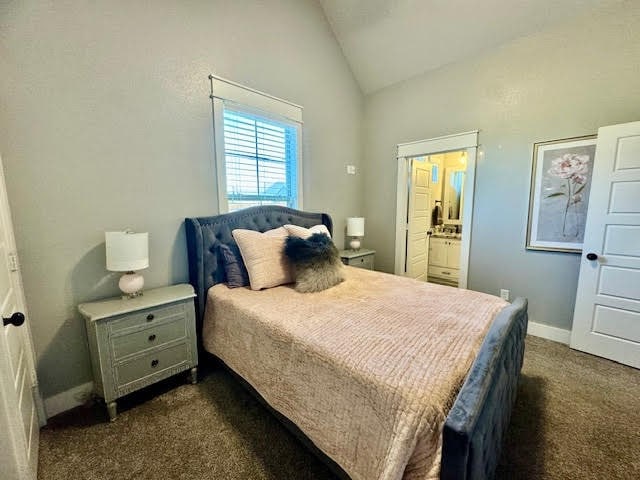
[(592, 256), (152, 337), (154, 363), (150, 317)]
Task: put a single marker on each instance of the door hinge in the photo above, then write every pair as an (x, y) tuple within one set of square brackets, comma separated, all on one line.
[(12, 260)]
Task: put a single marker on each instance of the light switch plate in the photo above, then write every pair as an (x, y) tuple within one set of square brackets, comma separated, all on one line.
[(351, 169)]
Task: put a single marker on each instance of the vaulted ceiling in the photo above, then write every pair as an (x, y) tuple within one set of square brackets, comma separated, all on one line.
[(388, 41)]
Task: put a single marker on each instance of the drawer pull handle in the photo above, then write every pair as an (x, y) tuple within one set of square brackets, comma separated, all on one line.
[(152, 337), (446, 273), (150, 317), (154, 363)]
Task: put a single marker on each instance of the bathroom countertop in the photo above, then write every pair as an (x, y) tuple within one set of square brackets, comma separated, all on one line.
[(454, 236)]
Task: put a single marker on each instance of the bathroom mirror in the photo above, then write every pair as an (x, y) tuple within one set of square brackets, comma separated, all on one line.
[(453, 196)]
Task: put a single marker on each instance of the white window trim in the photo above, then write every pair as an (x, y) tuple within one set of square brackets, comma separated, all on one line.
[(249, 99)]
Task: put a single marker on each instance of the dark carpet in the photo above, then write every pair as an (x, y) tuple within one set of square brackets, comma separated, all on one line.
[(576, 417)]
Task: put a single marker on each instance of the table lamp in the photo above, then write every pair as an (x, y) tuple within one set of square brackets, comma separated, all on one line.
[(128, 252), (355, 229)]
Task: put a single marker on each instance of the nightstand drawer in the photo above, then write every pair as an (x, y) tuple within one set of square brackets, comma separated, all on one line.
[(365, 261), (153, 336), (151, 363), (146, 317)]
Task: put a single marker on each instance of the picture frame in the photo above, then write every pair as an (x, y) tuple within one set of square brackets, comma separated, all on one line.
[(561, 175)]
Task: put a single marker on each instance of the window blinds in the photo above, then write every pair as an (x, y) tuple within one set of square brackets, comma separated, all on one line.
[(261, 160), (257, 142)]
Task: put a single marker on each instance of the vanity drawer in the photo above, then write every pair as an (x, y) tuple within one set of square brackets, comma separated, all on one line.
[(153, 336), (146, 317), (153, 362), (442, 272)]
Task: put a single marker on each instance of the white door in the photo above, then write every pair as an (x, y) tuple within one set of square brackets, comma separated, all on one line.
[(418, 220), (606, 320), (19, 397)]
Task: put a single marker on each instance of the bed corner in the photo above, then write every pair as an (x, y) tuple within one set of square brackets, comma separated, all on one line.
[(477, 423)]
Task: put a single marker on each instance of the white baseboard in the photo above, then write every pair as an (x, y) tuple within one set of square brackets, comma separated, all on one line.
[(550, 333), (63, 401)]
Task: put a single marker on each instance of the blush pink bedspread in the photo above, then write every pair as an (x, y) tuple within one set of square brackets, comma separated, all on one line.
[(368, 369)]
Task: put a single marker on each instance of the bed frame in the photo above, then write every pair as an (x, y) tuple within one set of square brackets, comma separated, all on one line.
[(475, 427)]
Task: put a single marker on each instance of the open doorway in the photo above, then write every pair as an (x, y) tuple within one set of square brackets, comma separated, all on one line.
[(434, 208)]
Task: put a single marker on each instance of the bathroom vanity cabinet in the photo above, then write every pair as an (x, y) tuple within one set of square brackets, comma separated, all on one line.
[(444, 260)]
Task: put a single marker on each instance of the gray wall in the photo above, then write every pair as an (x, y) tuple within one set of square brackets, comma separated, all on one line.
[(562, 83), (106, 124)]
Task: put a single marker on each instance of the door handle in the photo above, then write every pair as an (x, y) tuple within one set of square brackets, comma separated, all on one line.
[(592, 256), (16, 319)]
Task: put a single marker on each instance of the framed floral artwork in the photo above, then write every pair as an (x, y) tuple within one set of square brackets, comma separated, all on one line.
[(559, 197)]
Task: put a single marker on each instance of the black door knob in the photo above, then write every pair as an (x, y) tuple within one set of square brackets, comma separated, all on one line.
[(592, 256), (16, 319)]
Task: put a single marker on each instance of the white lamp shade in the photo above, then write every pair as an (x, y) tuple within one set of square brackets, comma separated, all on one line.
[(126, 251), (355, 226)]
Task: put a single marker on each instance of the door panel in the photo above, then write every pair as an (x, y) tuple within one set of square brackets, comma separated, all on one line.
[(19, 420), (438, 252), (620, 282), (622, 240), (616, 322), (628, 153), (624, 197), (453, 254), (418, 220), (606, 319)]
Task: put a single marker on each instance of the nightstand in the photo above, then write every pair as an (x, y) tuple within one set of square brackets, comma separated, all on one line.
[(135, 342), (362, 258)]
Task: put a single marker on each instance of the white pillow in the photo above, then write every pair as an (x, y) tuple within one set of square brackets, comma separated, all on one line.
[(263, 255), (297, 231)]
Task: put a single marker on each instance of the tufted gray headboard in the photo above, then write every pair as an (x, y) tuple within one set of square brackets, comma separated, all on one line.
[(204, 234)]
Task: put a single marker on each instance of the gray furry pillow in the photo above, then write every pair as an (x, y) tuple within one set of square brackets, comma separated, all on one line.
[(316, 262)]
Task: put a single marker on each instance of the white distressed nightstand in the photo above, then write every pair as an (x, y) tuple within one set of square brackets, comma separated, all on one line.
[(135, 342), (362, 258)]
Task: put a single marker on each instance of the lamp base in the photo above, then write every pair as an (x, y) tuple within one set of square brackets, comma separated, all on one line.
[(131, 284), (355, 243)]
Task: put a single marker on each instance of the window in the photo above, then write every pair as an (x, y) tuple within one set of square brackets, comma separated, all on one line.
[(257, 148), (261, 160)]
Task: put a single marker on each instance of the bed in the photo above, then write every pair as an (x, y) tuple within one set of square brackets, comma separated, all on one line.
[(367, 417)]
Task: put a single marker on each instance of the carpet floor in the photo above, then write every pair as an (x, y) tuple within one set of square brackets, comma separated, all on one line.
[(576, 417)]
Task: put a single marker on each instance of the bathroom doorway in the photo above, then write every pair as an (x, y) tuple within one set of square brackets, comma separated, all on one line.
[(436, 248)]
